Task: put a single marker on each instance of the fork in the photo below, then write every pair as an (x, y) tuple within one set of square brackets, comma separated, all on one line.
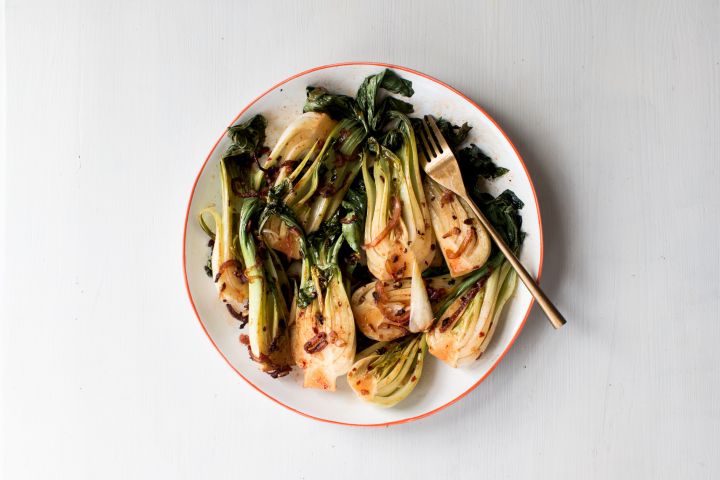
[(441, 165)]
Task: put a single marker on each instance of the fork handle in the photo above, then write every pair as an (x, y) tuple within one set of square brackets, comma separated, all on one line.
[(552, 313)]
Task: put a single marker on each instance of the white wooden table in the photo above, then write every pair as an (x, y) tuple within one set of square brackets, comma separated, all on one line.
[(111, 108)]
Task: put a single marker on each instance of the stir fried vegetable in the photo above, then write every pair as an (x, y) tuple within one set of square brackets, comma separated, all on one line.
[(397, 229), (463, 241), (247, 275), (267, 313), (386, 372), (299, 229), (382, 309), (469, 315), (228, 269), (469, 323), (323, 329), (313, 187)]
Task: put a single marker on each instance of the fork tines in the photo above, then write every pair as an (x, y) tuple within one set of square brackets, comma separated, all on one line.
[(432, 140)]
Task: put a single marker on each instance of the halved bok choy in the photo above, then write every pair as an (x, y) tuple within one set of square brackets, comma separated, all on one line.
[(314, 186), (468, 317), (268, 312), (236, 166), (464, 332), (383, 309), (463, 241), (322, 329), (397, 229), (386, 372)]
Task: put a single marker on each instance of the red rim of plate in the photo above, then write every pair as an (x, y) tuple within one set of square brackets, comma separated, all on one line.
[(537, 206)]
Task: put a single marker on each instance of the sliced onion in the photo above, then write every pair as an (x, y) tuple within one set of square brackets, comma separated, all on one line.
[(394, 219)]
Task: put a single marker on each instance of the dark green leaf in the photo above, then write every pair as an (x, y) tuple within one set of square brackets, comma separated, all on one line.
[(306, 294), (392, 139), (393, 83), (366, 98), (247, 138), (454, 135), (503, 212), (474, 162), (328, 232), (389, 104), (335, 105), (354, 206)]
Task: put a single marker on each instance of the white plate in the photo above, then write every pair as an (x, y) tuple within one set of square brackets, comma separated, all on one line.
[(440, 385)]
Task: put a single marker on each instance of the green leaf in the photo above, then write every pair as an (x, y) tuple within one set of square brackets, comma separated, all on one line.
[(474, 162), (328, 232), (389, 104), (366, 98), (306, 294), (453, 134), (365, 108), (393, 83), (335, 105), (354, 206), (503, 212), (247, 138)]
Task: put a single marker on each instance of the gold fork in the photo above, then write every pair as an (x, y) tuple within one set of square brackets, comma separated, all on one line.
[(442, 166)]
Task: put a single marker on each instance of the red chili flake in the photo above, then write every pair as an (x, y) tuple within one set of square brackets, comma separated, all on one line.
[(413, 378), (446, 198), (244, 339), (364, 392), (435, 294)]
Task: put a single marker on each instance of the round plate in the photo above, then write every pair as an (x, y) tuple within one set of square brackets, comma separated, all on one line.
[(440, 385)]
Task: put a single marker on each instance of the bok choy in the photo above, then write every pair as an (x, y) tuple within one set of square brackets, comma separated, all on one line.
[(463, 241), (268, 313), (314, 186), (467, 318), (397, 228), (382, 309), (236, 166), (322, 331), (386, 372)]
